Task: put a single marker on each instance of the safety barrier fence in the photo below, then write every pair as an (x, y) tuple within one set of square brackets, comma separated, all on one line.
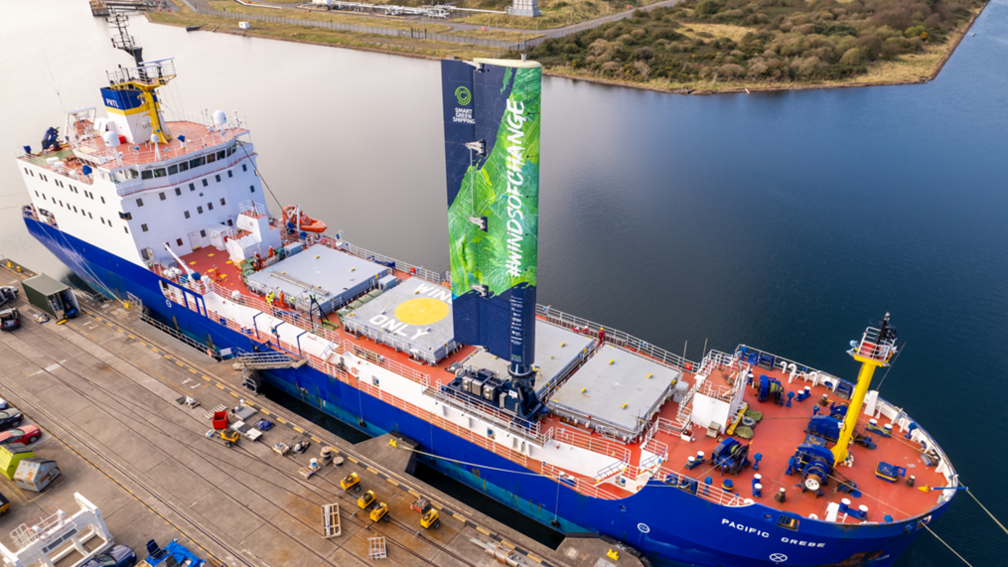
[(576, 484), (406, 267), (589, 442), (373, 30), (616, 338), (708, 492)]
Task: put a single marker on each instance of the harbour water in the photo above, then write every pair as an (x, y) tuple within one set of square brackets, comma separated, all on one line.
[(784, 220)]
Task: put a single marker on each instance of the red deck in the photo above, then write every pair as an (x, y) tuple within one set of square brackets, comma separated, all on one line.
[(215, 264), (776, 438)]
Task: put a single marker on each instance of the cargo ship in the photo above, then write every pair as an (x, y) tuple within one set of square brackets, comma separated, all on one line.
[(743, 458)]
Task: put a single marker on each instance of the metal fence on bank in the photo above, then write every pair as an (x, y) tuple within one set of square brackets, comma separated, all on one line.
[(373, 30)]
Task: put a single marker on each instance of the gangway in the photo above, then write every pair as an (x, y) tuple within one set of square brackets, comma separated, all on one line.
[(57, 536), (250, 363)]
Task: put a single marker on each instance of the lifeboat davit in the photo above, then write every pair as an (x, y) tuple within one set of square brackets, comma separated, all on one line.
[(294, 216)]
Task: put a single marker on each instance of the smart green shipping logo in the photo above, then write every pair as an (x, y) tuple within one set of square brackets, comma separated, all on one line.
[(463, 96)]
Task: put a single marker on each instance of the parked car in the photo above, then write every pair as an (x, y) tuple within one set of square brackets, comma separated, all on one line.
[(118, 556), (24, 435), (8, 293), (10, 418), (3, 404), (10, 319)]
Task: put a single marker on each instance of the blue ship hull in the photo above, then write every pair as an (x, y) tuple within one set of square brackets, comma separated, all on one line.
[(669, 526)]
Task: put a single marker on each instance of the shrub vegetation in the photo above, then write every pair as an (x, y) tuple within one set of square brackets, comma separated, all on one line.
[(754, 41)]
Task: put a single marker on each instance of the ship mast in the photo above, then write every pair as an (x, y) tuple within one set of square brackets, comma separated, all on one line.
[(876, 348), (140, 82)]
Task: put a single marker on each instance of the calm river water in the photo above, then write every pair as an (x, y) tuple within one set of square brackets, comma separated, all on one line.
[(786, 221)]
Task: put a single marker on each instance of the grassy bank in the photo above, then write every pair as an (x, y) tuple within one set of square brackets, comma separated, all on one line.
[(324, 16), (183, 16), (732, 45)]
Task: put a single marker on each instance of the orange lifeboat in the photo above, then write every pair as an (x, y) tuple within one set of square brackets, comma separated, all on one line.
[(294, 216)]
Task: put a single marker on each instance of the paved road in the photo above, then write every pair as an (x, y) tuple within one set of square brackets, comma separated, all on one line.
[(461, 26)]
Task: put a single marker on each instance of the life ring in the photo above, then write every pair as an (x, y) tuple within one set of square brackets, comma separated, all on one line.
[(353, 370), (748, 421), (209, 353), (689, 366)]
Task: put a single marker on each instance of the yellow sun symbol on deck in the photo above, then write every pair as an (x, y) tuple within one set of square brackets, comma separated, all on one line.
[(421, 311)]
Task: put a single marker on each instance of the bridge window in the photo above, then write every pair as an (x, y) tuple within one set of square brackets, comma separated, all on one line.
[(194, 163), (159, 172), (220, 154), (230, 174), (217, 177), (192, 186), (146, 174), (172, 169), (788, 522), (205, 183), (184, 166), (211, 157), (178, 192)]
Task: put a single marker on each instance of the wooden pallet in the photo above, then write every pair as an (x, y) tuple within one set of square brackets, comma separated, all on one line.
[(331, 521)]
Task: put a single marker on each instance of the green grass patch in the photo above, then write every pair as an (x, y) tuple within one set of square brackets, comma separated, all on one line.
[(733, 44)]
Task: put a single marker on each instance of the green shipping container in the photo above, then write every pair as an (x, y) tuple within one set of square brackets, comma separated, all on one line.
[(51, 296)]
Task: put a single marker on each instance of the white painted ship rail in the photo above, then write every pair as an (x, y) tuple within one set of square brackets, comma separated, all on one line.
[(616, 337), (406, 267)]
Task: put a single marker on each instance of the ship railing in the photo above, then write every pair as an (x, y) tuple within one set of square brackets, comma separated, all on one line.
[(576, 484), (617, 338), (801, 371), (685, 409), (385, 362), (406, 267), (154, 73), (528, 430), (58, 167), (588, 442), (338, 345), (708, 492), (129, 180), (253, 209)]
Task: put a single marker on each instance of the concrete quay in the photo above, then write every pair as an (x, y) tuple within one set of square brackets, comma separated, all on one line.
[(105, 387)]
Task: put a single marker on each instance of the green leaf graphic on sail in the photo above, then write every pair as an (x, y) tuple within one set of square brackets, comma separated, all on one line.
[(482, 258)]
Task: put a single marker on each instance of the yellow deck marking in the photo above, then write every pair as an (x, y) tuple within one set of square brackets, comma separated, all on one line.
[(482, 530), (392, 482), (282, 420), (534, 557), (315, 439), (422, 311), (298, 429), (459, 517), (372, 470)]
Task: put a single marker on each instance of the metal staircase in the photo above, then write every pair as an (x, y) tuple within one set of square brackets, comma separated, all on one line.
[(250, 363)]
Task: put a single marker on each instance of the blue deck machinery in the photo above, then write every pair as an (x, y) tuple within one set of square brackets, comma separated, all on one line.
[(813, 460)]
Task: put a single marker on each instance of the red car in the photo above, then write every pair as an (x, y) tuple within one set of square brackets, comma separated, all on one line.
[(24, 435)]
